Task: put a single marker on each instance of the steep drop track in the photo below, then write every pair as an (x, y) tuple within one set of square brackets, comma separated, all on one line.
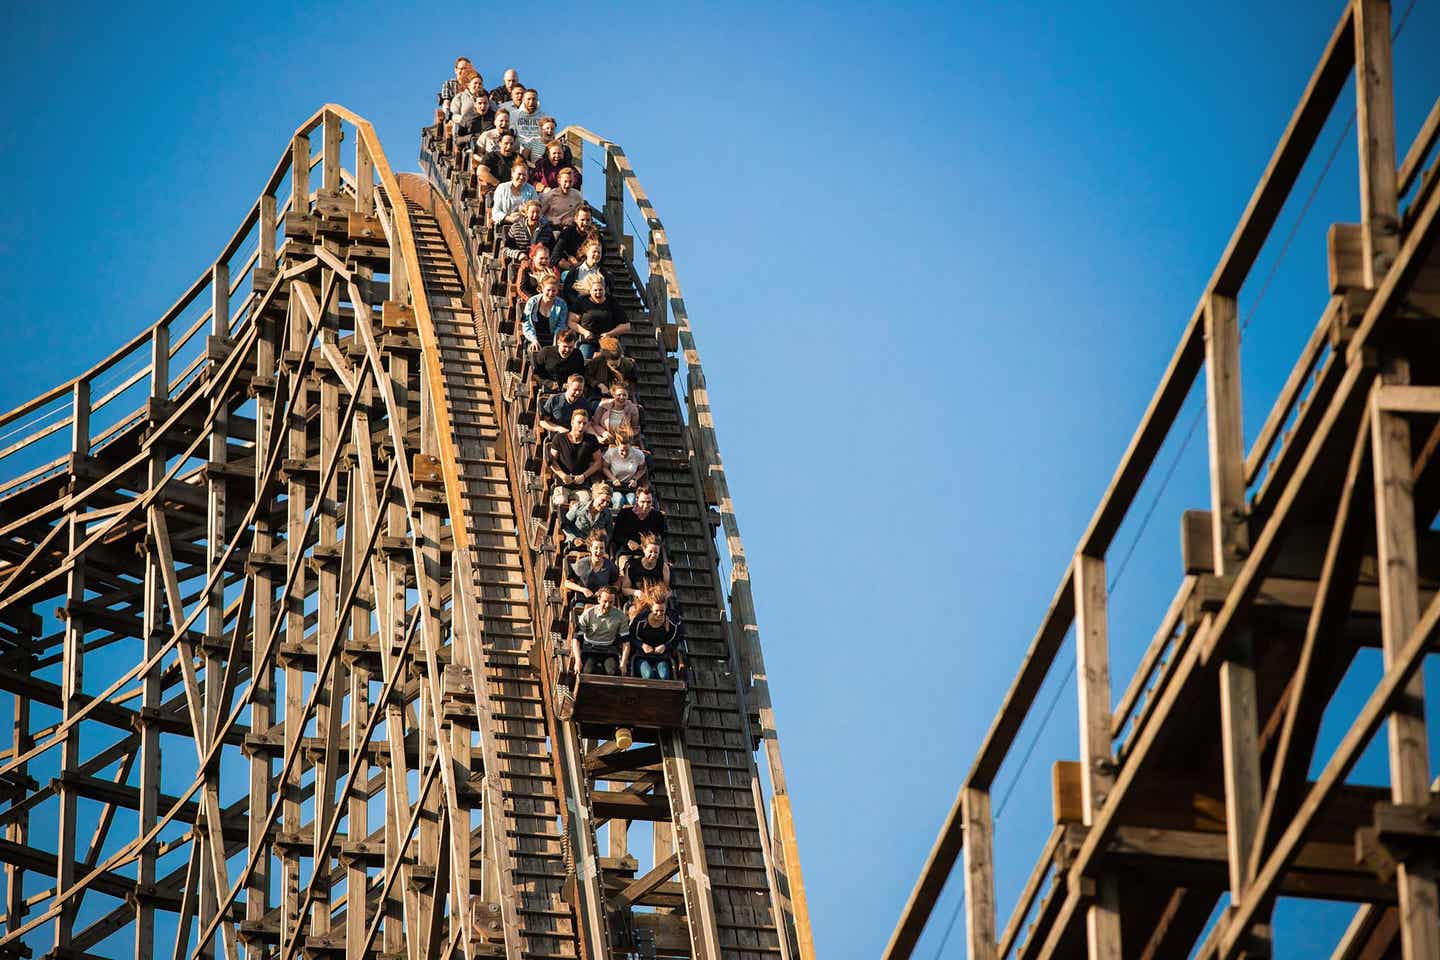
[(717, 737), (535, 856)]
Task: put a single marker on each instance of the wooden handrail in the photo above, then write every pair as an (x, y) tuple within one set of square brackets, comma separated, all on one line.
[(1258, 219)]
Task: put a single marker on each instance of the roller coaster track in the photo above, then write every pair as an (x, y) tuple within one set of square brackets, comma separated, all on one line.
[(276, 624)]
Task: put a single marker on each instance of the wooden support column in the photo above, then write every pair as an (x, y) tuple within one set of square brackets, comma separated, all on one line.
[(576, 143), (1239, 710), (262, 673), (267, 235), (297, 446), (364, 178), (357, 912), (17, 831), (300, 174), (1375, 129), (979, 874), (151, 690), (217, 453), (72, 672), (397, 573), (614, 198), (328, 716), (330, 157), (1230, 533), (656, 286), (1092, 651), (1395, 520)]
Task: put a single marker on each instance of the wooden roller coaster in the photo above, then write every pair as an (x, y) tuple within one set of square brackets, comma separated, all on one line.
[(278, 616), (1191, 809)]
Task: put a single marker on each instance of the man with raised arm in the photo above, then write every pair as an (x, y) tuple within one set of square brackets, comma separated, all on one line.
[(496, 166), (451, 88)]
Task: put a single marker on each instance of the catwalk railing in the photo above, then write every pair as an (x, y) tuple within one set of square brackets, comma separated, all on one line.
[(1381, 278)]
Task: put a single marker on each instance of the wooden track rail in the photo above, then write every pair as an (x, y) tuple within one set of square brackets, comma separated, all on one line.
[(1193, 791)]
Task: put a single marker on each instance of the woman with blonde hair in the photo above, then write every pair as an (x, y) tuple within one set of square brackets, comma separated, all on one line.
[(583, 518), (624, 468), (654, 638), (616, 413), (579, 277)]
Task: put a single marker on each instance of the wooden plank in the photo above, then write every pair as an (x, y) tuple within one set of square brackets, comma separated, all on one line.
[(1092, 650), (330, 153), (1345, 257), (1423, 143)]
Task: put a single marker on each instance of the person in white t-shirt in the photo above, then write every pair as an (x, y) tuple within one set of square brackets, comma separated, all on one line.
[(526, 121), (624, 468)]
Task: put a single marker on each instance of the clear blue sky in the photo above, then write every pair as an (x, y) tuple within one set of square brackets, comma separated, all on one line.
[(936, 255)]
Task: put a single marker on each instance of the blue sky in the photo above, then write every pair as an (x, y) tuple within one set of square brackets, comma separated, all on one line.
[(936, 255)]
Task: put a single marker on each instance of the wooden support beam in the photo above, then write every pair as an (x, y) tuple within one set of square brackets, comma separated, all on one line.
[(1231, 538), (1092, 651), (1375, 130), (1333, 599), (979, 875), (330, 159), (1400, 598), (638, 888)]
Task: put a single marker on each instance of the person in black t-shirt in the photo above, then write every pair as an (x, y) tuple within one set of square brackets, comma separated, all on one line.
[(495, 166), (554, 364), (634, 522), (597, 318), (566, 254), (574, 459)]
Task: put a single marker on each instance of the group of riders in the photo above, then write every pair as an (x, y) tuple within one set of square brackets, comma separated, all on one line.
[(616, 579)]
